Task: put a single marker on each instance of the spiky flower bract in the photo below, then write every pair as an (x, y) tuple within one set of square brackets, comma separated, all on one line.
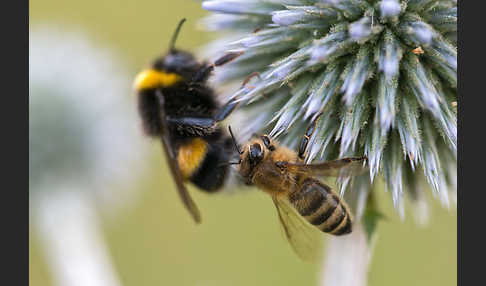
[(383, 73)]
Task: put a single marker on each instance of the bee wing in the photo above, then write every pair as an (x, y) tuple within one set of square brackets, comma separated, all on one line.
[(174, 167), (304, 238), (181, 188), (336, 168)]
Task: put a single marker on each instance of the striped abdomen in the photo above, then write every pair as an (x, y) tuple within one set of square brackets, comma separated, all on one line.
[(322, 207)]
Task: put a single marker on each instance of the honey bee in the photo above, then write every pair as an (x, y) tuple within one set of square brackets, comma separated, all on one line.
[(177, 106), (295, 190)]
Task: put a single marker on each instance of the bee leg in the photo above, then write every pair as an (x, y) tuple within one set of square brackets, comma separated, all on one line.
[(193, 126), (202, 126), (306, 138), (343, 162), (266, 141), (249, 77), (205, 123), (226, 110), (203, 73), (231, 105), (173, 164)]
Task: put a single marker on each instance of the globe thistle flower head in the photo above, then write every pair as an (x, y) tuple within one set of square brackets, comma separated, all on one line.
[(389, 8), (382, 73)]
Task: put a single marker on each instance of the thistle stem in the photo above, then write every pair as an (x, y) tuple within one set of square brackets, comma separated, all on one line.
[(75, 249), (346, 260)]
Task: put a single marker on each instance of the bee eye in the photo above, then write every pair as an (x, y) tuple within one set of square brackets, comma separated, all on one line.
[(255, 153)]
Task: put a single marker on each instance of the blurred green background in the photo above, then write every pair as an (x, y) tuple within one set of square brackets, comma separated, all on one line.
[(239, 243)]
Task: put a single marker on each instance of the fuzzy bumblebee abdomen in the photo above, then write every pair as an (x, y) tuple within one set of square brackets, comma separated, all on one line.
[(321, 207), (203, 163)]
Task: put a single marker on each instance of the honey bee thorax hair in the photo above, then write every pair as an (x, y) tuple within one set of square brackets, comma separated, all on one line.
[(258, 165), (283, 153)]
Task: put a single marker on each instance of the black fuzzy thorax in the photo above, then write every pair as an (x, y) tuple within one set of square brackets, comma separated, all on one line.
[(190, 100), (180, 100)]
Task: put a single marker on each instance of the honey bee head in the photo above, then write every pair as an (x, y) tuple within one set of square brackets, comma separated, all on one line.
[(168, 70), (252, 155)]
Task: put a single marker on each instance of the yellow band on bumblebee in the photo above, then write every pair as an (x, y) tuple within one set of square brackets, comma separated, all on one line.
[(191, 155), (153, 78)]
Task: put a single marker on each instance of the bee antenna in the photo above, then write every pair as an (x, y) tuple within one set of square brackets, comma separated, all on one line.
[(229, 163), (234, 141), (176, 34)]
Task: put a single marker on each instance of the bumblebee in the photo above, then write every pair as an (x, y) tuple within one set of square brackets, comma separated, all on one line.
[(295, 191), (177, 106)]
